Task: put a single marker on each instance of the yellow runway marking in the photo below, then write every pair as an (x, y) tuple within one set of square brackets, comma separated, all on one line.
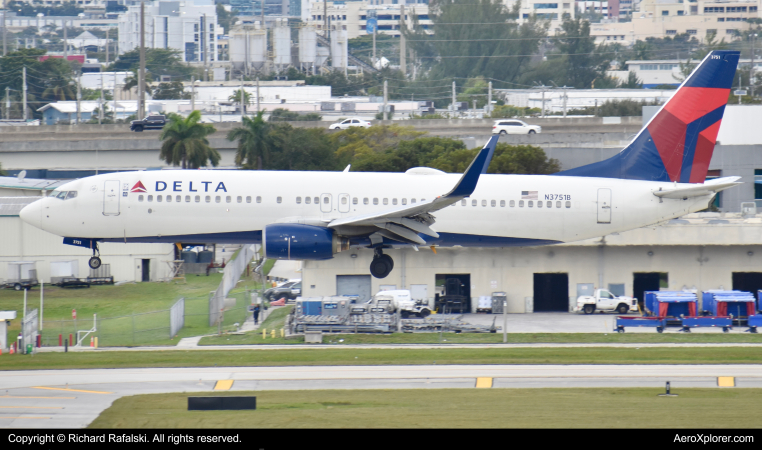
[(30, 417), (31, 407), (70, 390), (484, 382), (223, 385), (726, 381), (21, 396)]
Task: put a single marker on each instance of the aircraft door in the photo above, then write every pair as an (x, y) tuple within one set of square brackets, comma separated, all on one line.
[(344, 203), (604, 205), (111, 198), (326, 204)]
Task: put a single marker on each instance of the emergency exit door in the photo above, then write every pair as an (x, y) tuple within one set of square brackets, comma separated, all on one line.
[(604, 205), (111, 198)]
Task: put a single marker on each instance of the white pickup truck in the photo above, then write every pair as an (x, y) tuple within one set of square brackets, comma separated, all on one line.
[(604, 300)]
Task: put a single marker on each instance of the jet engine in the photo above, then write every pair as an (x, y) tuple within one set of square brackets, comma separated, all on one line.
[(301, 242)]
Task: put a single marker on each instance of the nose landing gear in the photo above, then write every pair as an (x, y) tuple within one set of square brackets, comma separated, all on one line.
[(95, 261), (382, 264)]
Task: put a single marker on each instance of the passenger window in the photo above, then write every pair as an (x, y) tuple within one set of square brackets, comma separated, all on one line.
[(464, 202), (493, 203), (568, 204), (158, 198), (354, 201), (558, 204), (343, 200), (169, 198), (307, 200), (326, 200), (228, 199), (187, 198), (279, 199), (298, 199), (179, 198), (484, 202), (521, 203), (512, 203), (259, 199), (549, 204), (404, 201), (317, 200), (412, 200), (394, 201), (150, 198), (365, 201), (375, 201), (140, 198), (248, 199), (217, 199), (474, 202), (198, 198), (208, 198), (502, 203), (239, 199), (539, 204), (386, 201), (530, 203)]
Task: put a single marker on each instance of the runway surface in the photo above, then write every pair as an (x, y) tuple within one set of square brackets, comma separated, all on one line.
[(74, 398)]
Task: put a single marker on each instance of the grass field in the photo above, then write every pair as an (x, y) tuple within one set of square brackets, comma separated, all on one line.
[(451, 408), (367, 357)]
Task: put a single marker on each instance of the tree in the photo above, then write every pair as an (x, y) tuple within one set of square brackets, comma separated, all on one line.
[(254, 142), (185, 143), (283, 115), (236, 97), (300, 148), (632, 82), (173, 90), (2, 172), (225, 19), (159, 61), (582, 60), (356, 144)]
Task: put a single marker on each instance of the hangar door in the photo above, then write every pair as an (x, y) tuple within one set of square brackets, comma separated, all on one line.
[(551, 292), (649, 281), (747, 281), (354, 285)]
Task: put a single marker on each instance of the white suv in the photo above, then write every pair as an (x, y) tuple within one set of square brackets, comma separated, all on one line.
[(512, 126), (352, 122)]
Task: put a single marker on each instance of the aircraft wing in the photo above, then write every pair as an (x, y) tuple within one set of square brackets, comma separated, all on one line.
[(710, 187), (405, 222)]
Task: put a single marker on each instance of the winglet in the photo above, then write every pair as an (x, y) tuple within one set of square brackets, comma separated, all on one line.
[(467, 183)]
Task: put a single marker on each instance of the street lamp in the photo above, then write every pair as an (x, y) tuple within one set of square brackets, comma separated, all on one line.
[(751, 71)]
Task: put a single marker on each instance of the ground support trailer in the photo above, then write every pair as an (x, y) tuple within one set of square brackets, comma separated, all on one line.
[(672, 305), (707, 321), (737, 304), (754, 322), (629, 321)]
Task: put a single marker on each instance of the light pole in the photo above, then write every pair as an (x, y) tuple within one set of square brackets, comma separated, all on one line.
[(751, 70)]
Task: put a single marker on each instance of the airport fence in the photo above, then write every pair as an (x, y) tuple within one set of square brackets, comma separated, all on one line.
[(153, 327)]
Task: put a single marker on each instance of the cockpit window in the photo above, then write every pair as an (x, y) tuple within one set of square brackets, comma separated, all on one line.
[(64, 195), (71, 194), (61, 195)]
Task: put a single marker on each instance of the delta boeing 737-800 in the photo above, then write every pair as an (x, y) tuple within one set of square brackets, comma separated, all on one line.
[(314, 215)]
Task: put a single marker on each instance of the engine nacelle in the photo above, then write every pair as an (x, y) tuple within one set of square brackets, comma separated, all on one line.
[(301, 242)]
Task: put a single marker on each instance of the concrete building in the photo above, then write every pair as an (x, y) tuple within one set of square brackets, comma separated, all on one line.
[(190, 28), (657, 72), (697, 252), (352, 17)]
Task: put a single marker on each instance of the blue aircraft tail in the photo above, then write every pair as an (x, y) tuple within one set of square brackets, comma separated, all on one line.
[(677, 143)]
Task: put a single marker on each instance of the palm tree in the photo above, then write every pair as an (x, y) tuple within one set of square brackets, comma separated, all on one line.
[(254, 141), (236, 97), (185, 142)]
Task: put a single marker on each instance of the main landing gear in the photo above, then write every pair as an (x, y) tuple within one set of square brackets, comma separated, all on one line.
[(95, 260), (382, 264)]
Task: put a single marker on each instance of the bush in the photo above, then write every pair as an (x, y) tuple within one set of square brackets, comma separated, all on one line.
[(284, 115), (509, 111)]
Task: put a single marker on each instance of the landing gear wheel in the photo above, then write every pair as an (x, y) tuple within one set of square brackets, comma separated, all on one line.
[(381, 266), (589, 309), (94, 262), (622, 309)]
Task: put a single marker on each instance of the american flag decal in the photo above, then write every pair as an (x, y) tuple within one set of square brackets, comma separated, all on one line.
[(529, 195)]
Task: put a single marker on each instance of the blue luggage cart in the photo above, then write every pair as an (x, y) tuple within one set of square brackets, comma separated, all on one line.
[(754, 322), (707, 321), (672, 304), (635, 321), (738, 304)]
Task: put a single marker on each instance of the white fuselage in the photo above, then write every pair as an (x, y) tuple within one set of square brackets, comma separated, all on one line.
[(215, 202)]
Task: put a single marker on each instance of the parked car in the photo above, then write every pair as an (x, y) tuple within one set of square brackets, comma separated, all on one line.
[(351, 122), (154, 122), (290, 290), (514, 127)]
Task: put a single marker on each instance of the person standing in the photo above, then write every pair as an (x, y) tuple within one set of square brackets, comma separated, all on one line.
[(256, 314)]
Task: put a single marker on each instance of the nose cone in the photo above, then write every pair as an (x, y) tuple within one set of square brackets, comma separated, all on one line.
[(32, 214)]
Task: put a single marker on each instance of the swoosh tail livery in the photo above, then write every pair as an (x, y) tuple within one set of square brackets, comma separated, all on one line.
[(314, 215)]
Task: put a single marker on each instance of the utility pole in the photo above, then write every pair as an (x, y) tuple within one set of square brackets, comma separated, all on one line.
[(386, 102), (543, 102), (106, 45), (242, 98), (565, 97), (193, 94), (142, 71), (66, 43), (103, 105), (5, 48), (7, 103), (488, 109), (23, 76), (374, 45), (453, 98), (205, 35), (79, 98), (257, 94), (403, 50), (751, 71)]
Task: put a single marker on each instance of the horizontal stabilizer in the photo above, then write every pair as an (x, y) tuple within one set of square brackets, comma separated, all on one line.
[(709, 188)]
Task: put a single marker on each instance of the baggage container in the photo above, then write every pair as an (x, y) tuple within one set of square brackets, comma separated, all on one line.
[(484, 304), (670, 303), (498, 298), (707, 321), (635, 321), (63, 269), (754, 322), (739, 304)]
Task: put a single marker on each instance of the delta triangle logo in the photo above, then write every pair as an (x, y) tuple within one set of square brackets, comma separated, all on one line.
[(138, 187)]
